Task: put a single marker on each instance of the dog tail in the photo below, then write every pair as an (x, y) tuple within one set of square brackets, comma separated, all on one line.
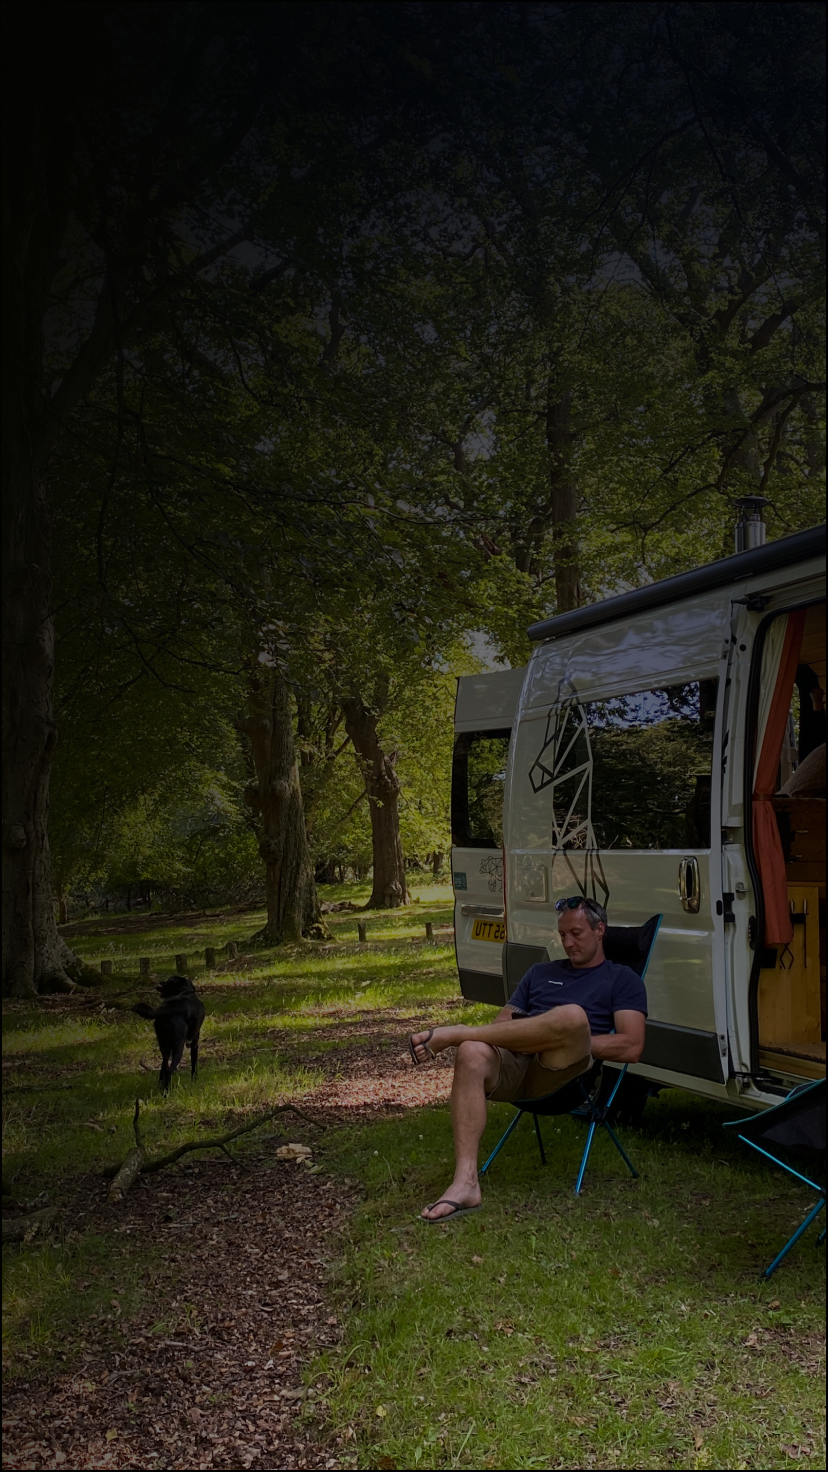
[(144, 1010)]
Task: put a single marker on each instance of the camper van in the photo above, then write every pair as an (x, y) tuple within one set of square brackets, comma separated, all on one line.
[(663, 752)]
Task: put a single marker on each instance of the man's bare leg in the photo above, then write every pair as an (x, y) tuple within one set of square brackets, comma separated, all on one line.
[(562, 1035), (476, 1068)]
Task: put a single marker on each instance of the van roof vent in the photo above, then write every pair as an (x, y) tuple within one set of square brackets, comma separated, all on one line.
[(750, 530)]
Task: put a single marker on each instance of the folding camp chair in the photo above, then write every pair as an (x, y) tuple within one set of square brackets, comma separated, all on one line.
[(797, 1126), (629, 945)]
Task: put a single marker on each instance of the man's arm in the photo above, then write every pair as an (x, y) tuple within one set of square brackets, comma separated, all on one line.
[(626, 1044), (506, 1013)]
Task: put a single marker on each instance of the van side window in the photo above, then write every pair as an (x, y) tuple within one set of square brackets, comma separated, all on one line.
[(477, 777), (652, 756)]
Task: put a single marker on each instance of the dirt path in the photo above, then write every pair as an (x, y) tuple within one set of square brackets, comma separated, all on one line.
[(240, 1286), (241, 1291)]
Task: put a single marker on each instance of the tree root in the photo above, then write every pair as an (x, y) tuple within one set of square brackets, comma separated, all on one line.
[(23, 1228), (50, 985), (137, 1163)]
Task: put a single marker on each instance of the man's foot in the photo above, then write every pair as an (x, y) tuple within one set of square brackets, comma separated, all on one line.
[(459, 1197), (456, 1210), (432, 1040)]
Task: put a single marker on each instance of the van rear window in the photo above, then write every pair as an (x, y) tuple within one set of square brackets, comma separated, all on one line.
[(477, 780), (639, 766)]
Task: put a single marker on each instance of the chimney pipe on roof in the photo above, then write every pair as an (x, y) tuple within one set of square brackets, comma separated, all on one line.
[(750, 530)]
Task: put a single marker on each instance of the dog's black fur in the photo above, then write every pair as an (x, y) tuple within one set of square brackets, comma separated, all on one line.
[(177, 1023)]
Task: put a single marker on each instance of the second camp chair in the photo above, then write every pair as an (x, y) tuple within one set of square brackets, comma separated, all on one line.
[(796, 1126), (628, 945)]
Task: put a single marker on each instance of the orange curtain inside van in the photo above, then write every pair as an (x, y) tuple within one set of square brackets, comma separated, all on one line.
[(767, 845)]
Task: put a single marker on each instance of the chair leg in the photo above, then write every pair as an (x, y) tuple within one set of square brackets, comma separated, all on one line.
[(620, 1148), (794, 1239), (585, 1157), (502, 1141), (540, 1141)]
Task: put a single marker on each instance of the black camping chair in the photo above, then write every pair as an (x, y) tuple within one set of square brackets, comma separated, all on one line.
[(628, 945), (796, 1126)]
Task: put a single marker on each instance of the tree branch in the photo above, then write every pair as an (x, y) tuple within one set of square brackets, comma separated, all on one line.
[(159, 1162)]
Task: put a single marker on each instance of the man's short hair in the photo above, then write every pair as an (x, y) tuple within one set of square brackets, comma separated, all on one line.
[(595, 914)]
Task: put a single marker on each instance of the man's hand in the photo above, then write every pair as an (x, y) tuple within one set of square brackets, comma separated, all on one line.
[(626, 1044)]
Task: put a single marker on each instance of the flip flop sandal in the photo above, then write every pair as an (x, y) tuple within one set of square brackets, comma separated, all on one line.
[(424, 1044), (437, 1221)]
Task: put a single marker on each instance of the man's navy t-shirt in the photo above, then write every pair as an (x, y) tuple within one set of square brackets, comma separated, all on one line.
[(600, 990)]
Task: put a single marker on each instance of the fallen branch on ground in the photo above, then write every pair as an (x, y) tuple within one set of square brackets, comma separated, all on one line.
[(133, 1164), (137, 1163), (22, 1228)]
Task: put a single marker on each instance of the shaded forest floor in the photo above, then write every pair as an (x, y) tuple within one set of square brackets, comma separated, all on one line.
[(255, 1312)]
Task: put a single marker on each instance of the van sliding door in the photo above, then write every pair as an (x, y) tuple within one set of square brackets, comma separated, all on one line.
[(614, 793)]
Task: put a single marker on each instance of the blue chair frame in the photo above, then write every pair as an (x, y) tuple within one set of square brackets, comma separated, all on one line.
[(620, 944), (785, 1126)]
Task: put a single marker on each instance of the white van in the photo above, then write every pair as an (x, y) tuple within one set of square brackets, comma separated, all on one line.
[(629, 762)]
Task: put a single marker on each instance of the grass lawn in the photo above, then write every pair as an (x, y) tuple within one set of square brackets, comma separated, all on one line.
[(625, 1328)]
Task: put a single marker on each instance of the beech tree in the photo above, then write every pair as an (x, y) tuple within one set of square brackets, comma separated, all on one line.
[(623, 176), (369, 369), (119, 142)]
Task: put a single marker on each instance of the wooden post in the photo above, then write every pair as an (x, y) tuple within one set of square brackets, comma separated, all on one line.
[(429, 930), (209, 958), (232, 950), (362, 930), (145, 965), (106, 968), (181, 965)]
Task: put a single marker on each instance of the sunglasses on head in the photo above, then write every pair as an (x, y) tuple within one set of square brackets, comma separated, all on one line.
[(575, 902)]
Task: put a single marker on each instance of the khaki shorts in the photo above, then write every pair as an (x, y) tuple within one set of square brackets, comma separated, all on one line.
[(524, 1076)]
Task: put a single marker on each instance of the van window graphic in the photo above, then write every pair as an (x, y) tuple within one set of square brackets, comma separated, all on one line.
[(565, 764), (633, 771)]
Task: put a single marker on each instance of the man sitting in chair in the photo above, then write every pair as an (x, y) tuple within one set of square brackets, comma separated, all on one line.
[(562, 1015)]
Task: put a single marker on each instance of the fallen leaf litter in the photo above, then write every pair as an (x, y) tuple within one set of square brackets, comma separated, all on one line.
[(224, 1387)]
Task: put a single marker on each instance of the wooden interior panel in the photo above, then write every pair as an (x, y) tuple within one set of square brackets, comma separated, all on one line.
[(791, 1063), (801, 822), (789, 992)]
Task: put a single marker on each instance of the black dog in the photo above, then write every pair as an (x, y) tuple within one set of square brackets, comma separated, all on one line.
[(177, 1023)]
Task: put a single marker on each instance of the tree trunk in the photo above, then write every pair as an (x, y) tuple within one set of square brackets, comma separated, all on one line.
[(564, 503), (35, 211), (276, 801), (34, 956), (383, 789)]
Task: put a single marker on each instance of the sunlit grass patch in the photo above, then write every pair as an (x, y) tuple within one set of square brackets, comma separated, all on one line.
[(625, 1328), (66, 1034)]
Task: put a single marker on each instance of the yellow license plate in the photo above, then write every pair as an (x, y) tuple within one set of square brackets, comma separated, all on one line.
[(489, 930)]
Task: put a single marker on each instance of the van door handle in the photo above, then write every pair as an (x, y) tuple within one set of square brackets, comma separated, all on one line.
[(689, 885)]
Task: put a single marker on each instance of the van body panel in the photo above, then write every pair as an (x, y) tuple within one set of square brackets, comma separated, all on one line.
[(694, 1084), (701, 982), (483, 986), (758, 564), (684, 1050), (485, 703), (662, 647)]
